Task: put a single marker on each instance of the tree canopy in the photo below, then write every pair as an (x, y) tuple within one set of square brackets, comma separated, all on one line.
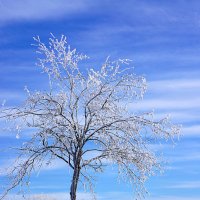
[(84, 119)]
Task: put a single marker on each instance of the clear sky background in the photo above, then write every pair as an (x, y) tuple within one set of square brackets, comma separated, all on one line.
[(163, 40)]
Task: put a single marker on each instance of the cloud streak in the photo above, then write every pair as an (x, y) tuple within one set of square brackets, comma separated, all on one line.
[(186, 185), (178, 97), (11, 10)]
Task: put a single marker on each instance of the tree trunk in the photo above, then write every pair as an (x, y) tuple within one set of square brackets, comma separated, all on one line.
[(75, 179)]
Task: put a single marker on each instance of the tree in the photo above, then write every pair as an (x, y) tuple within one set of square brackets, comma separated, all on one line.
[(84, 120)]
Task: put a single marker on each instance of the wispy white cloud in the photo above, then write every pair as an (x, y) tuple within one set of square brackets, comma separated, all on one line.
[(177, 97), (179, 116), (166, 104), (191, 130), (56, 164), (175, 84), (8, 95), (186, 154), (44, 9), (186, 185)]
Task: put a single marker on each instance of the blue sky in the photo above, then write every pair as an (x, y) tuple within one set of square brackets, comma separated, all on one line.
[(163, 40)]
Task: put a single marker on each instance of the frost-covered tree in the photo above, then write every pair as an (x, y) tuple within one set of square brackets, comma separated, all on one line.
[(84, 120)]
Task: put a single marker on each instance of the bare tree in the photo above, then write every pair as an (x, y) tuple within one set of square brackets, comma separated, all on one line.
[(84, 120)]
